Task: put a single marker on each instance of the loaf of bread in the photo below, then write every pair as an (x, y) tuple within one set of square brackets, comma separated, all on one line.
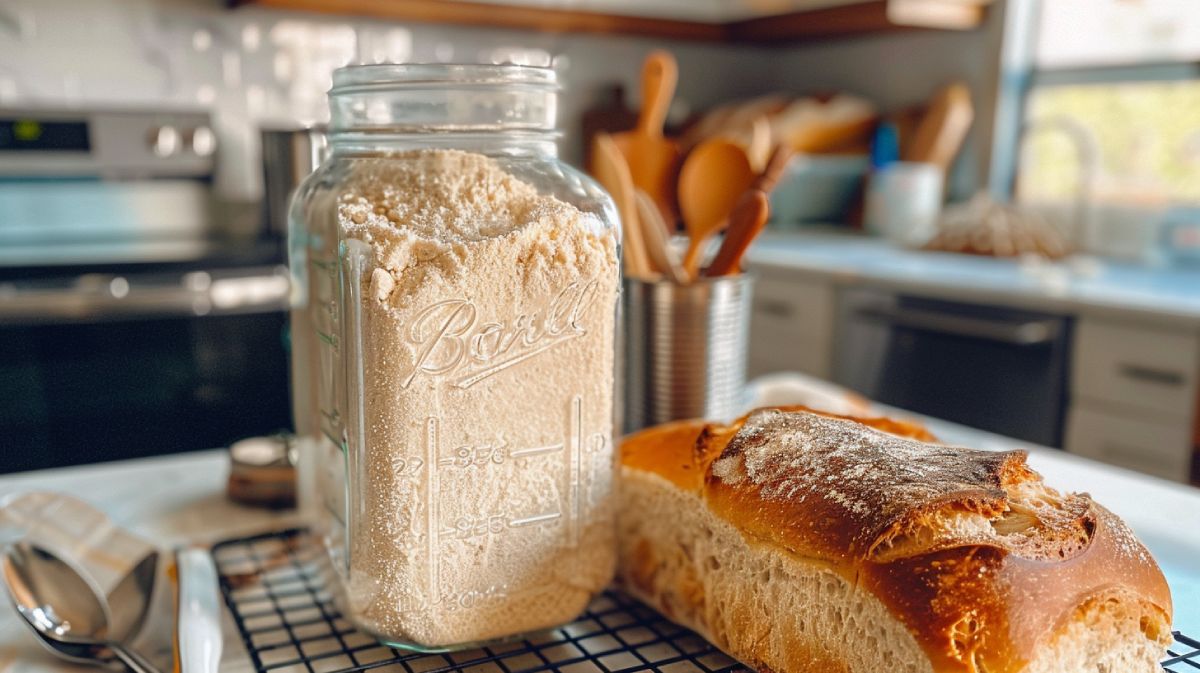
[(805, 542)]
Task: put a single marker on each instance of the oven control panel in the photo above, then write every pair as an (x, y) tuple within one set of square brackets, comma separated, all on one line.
[(105, 143)]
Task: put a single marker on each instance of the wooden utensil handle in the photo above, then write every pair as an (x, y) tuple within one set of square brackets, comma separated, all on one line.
[(746, 221), (776, 164), (691, 258), (659, 76)]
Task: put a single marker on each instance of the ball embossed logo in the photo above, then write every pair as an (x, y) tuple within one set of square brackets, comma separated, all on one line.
[(452, 342)]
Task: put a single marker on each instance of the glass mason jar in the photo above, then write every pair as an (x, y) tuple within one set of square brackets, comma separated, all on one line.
[(464, 291)]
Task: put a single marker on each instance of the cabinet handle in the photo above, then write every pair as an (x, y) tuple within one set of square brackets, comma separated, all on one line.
[(1162, 377), (778, 309), (1013, 333)]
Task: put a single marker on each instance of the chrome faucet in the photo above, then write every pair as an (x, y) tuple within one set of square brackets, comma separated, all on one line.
[(1087, 157)]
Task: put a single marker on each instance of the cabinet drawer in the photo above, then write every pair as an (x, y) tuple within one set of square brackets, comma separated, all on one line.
[(1160, 448), (798, 308), (791, 326), (1137, 368), (771, 354)]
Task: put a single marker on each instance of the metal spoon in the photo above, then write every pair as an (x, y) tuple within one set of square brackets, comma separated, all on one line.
[(63, 608)]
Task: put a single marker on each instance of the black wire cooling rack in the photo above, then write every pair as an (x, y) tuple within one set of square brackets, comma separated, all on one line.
[(274, 585)]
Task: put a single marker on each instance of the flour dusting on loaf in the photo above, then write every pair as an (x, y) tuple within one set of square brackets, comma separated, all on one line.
[(878, 493), (947, 559)]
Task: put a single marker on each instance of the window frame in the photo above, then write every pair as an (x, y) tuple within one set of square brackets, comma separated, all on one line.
[(1020, 76)]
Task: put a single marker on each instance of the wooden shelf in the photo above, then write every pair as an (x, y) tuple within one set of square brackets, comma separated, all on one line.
[(862, 18)]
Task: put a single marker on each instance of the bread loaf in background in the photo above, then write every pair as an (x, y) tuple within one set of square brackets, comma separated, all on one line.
[(804, 542)]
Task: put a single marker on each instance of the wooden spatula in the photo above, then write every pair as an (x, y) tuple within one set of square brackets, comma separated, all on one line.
[(776, 165), (610, 169), (943, 129), (713, 177), (758, 146), (745, 223), (654, 159)]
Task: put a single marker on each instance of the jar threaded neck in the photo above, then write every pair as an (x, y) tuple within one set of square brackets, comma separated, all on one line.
[(443, 99)]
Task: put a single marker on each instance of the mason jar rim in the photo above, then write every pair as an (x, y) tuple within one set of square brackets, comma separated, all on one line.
[(351, 78)]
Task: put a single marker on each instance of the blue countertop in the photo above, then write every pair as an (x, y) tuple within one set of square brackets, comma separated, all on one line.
[(1078, 286)]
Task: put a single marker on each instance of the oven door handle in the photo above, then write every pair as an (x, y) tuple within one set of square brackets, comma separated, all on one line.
[(96, 298), (1022, 333)]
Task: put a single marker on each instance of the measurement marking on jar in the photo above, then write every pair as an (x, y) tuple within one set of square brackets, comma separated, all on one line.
[(531, 520), (597, 443), (574, 460), (487, 454), (458, 599), (535, 451), (466, 455), (405, 466), (431, 510), (466, 527)]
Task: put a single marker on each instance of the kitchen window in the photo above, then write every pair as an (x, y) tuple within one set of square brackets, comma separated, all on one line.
[(1103, 106)]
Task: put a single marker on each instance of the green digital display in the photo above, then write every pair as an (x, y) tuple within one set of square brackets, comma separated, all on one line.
[(34, 135)]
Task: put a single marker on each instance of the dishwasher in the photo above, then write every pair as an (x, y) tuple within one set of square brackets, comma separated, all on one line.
[(998, 369)]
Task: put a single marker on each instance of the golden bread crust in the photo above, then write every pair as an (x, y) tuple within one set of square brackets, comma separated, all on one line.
[(980, 561)]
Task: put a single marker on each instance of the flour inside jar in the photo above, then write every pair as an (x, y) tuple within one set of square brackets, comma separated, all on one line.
[(482, 491)]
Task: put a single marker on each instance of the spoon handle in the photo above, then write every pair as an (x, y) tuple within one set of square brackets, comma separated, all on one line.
[(776, 164), (691, 258), (132, 660), (747, 221)]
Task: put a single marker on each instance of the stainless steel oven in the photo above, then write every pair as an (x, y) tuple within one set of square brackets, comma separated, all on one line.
[(139, 313), (997, 369)]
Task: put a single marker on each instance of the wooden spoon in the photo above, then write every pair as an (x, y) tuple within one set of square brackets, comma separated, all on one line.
[(658, 248), (745, 224), (653, 159), (610, 169), (713, 177), (746, 221)]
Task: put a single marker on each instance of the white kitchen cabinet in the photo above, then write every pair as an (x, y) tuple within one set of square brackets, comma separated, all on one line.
[(791, 324), (1157, 446), (1140, 369), (1134, 396)]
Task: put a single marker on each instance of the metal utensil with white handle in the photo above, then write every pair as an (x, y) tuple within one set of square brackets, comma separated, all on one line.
[(198, 629)]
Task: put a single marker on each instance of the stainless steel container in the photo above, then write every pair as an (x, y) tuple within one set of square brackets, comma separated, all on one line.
[(288, 156), (685, 349)]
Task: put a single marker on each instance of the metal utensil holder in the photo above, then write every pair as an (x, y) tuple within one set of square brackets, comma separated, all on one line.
[(685, 349)]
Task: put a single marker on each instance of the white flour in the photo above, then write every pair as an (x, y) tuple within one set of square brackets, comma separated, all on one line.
[(485, 476)]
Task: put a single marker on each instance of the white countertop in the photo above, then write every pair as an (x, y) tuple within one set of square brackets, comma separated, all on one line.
[(180, 499), (1170, 296), (172, 500), (1164, 515)]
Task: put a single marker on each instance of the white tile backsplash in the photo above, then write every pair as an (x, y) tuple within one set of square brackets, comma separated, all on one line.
[(252, 67)]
